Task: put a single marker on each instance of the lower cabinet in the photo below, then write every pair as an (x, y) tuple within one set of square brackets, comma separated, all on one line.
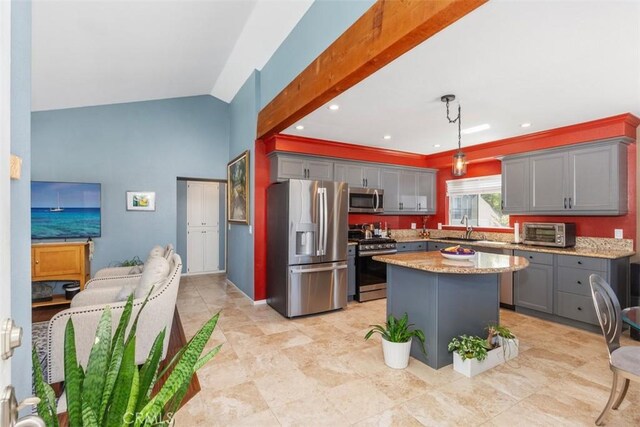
[(559, 284), (411, 246), (436, 246), (351, 271), (534, 287)]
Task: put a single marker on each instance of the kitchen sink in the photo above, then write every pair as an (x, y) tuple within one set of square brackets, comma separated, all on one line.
[(460, 239)]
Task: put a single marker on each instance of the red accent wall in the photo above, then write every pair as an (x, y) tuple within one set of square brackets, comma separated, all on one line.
[(482, 162)]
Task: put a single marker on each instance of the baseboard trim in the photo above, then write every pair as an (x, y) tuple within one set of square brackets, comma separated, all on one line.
[(202, 273), (240, 290), (260, 302)]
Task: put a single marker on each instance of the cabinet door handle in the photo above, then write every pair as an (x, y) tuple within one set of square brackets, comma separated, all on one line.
[(530, 256), (580, 262), (37, 262), (501, 204), (569, 202), (565, 203), (579, 308), (579, 282)]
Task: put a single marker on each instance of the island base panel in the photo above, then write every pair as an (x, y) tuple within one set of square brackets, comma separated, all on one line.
[(443, 306)]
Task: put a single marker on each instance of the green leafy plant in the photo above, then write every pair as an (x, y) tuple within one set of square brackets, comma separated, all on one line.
[(494, 331), (114, 391), (469, 347), (397, 330), (131, 262)]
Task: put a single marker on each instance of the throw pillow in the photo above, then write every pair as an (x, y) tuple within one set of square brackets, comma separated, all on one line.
[(155, 270), (157, 250), (136, 269), (124, 293)]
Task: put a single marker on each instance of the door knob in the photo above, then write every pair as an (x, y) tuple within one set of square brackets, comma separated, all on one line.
[(9, 409)]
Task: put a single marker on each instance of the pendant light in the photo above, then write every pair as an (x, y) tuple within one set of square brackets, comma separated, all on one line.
[(459, 165)]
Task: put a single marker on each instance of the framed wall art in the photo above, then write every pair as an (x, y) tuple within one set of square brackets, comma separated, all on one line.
[(141, 200), (238, 189)]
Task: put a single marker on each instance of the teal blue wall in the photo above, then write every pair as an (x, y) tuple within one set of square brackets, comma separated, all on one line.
[(244, 116), (21, 191), (140, 146)]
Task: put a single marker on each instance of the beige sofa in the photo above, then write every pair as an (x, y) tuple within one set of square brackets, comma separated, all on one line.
[(166, 251), (88, 305)]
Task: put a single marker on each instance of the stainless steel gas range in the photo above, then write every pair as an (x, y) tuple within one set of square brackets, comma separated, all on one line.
[(371, 276)]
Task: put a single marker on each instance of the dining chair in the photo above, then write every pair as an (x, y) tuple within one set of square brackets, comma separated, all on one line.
[(623, 361)]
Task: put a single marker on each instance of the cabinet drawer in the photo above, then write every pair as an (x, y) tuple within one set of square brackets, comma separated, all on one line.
[(535, 257), (436, 246), (574, 280), (577, 307), (351, 250), (583, 262), (411, 246)]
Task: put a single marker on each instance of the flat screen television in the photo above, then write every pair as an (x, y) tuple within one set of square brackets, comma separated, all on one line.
[(65, 210)]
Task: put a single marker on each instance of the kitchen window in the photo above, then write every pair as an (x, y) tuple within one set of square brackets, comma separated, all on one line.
[(478, 198)]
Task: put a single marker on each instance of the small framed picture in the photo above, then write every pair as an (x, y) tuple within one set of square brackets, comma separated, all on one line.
[(141, 200)]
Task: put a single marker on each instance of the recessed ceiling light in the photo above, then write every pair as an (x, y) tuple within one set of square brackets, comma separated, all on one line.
[(475, 129), (334, 107), (436, 145), (387, 137), (299, 127), (525, 125)]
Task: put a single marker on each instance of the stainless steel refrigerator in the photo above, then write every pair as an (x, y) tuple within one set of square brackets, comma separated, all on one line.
[(307, 246)]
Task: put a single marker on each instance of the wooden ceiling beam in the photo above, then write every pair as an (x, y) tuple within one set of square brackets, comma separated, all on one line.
[(387, 30)]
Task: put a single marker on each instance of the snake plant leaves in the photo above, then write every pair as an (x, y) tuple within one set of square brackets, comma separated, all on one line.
[(73, 377), (124, 320), (88, 415), (134, 327), (204, 359), (93, 385), (149, 370), (47, 404), (133, 398), (118, 408), (182, 372)]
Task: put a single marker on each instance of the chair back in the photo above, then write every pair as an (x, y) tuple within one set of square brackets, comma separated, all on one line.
[(608, 311)]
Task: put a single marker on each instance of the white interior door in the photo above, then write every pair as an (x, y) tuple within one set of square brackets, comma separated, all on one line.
[(194, 204), (5, 197), (211, 204), (203, 227), (211, 248), (195, 256)]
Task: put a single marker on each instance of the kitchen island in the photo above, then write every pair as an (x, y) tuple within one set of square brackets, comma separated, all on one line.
[(445, 298)]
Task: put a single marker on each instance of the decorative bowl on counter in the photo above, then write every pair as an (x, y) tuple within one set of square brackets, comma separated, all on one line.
[(457, 253)]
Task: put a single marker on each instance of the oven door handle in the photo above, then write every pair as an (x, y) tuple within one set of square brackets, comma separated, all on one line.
[(316, 270), (373, 253)]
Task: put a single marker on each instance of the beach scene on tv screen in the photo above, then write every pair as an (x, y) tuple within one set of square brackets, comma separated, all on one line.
[(64, 210)]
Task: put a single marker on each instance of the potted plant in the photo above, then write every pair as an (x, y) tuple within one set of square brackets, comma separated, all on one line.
[(473, 355), (501, 336), (397, 335), (112, 389)]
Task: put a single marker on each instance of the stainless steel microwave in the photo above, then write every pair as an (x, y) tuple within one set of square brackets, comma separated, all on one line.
[(558, 234), (366, 200)]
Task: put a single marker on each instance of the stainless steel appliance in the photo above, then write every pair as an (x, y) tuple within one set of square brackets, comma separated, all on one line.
[(371, 276), (558, 234), (306, 246), (366, 200)]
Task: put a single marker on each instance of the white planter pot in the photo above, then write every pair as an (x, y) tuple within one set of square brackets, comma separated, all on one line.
[(471, 367), (396, 354)]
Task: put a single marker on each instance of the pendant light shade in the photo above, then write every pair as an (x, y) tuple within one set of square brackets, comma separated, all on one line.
[(459, 165)]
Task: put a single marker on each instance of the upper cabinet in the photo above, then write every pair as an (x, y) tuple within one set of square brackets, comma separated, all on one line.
[(300, 167), (408, 191), (357, 175), (590, 179)]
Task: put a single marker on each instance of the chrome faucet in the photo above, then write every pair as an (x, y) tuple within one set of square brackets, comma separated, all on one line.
[(465, 221)]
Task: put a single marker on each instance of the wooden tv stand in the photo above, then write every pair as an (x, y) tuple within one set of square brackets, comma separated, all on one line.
[(59, 261)]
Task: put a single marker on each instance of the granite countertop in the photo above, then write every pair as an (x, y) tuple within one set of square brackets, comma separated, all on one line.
[(352, 243), (576, 251), (481, 263)]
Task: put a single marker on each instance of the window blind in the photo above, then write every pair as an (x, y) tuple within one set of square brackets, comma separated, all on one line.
[(480, 185)]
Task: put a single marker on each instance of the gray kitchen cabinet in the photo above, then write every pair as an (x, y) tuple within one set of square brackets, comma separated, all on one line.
[(548, 182), (300, 167), (408, 191), (426, 192), (436, 246), (351, 272), (411, 246), (515, 185), (390, 183), (357, 175), (588, 179), (533, 286)]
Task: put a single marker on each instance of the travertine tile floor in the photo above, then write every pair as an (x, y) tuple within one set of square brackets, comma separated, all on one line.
[(318, 370)]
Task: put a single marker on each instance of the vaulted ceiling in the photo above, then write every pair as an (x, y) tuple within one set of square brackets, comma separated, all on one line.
[(104, 52)]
